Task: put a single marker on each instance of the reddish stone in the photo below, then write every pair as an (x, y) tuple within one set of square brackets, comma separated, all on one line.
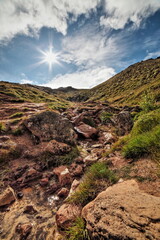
[(86, 131), (24, 229), (44, 182), (76, 170), (66, 215), (64, 176)]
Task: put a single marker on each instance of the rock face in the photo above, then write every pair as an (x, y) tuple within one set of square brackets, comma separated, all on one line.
[(7, 197), (123, 212), (49, 125), (123, 122), (86, 131)]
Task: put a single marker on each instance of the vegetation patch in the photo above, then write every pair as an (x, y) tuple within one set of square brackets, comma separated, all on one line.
[(2, 127), (144, 137), (78, 230), (88, 188)]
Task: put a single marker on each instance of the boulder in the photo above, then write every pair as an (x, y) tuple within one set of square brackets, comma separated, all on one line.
[(123, 122), (7, 197), (49, 125), (123, 211), (86, 131), (66, 215)]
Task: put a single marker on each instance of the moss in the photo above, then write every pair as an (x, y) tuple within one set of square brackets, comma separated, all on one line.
[(77, 231), (2, 127), (88, 188)]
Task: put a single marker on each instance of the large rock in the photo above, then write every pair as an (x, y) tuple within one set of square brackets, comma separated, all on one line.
[(49, 125), (86, 131), (7, 197), (123, 122), (66, 215), (123, 211)]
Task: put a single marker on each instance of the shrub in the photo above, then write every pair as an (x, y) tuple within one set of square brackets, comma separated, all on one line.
[(88, 188), (77, 231)]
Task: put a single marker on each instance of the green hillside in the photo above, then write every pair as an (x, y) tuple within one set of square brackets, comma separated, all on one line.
[(128, 86), (14, 92)]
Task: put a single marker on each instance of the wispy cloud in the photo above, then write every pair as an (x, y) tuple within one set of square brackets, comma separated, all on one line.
[(82, 78), (152, 55), (24, 81), (119, 13), (92, 47)]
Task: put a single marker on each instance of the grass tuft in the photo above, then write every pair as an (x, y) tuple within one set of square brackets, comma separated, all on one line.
[(88, 188), (77, 231)]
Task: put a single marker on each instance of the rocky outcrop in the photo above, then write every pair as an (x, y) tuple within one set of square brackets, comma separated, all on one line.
[(123, 211), (50, 125)]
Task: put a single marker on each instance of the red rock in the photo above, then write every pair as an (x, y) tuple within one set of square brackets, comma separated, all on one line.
[(76, 170), (7, 197), (86, 131), (63, 192), (64, 176), (44, 182), (66, 215), (30, 210), (57, 148), (24, 229)]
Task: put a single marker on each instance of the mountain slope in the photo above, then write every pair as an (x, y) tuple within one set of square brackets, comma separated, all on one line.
[(128, 86)]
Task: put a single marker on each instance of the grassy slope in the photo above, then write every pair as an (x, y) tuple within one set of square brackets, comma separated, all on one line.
[(14, 92), (128, 86)]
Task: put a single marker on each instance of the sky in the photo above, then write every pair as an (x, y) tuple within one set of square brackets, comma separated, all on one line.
[(78, 43)]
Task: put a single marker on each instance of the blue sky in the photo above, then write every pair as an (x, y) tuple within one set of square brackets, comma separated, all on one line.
[(91, 40)]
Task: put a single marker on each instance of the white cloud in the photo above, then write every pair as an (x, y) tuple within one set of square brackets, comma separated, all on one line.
[(152, 55), (25, 81), (82, 79), (29, 16), (120, 12), (91, 47)]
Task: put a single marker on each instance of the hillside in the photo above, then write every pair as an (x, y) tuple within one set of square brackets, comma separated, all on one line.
[(128, 86), (14, 92)]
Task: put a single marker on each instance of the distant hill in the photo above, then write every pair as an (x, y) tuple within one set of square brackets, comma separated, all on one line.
[(128, 86), (15, 92)]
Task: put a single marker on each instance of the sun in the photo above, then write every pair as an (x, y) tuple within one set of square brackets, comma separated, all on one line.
[(50, 57)]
